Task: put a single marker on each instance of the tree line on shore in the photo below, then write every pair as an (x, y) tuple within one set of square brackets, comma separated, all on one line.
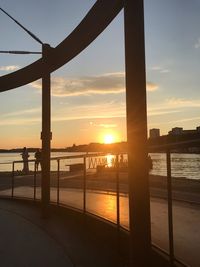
[(122, 147)]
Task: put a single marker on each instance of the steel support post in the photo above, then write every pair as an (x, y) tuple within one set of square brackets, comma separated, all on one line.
[(139, 197), (170, 209), (84, 184), (58, 182), (46, 131)]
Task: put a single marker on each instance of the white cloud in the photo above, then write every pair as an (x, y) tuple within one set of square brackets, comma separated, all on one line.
[(9, 68), (182, 102), (109, 83), (160, 69)]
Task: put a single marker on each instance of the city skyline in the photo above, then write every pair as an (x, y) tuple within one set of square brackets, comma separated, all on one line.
[(88, 94)]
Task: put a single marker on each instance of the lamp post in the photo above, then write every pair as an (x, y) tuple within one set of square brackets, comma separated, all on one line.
[(46, 134)]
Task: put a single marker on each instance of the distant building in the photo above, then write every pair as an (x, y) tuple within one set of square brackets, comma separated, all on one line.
[(198, 129), (176, 131), (180, 131), (153, 133)]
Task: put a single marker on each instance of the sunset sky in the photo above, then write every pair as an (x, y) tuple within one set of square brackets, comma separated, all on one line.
[(88, 94)]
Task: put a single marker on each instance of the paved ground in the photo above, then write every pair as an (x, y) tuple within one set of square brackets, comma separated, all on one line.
[(186, 218), (27, 240), (186, 209), (25, 244)]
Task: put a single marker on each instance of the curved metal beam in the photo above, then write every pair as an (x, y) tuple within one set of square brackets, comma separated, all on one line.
[(97, 19)]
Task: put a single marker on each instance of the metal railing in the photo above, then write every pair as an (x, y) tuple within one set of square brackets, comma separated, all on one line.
[(89, 163)]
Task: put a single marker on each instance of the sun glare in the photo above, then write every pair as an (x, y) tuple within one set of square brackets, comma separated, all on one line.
[(109, 139)]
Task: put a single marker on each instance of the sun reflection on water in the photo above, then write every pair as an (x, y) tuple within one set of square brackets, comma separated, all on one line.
[(110, 160)]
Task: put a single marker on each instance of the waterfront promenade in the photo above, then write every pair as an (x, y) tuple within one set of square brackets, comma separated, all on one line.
[(62, 241), (101, 201)]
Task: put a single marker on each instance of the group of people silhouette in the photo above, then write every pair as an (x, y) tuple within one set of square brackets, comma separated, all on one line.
[(38, 157), (25, 155)]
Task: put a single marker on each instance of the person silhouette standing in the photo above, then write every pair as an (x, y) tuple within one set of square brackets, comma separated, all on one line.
[(150, 163), (38, 155), (25, 157)]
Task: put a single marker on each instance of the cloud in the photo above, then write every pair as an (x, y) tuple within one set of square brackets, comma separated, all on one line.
[(172, 105), (92, 111), (21, 117), (151, 87), (9, 68), (109, 83), (22, 112), (104, 125), (20, 121), (160, 69), (159, 112), (176, 121), (182, 102), (197, 44), (109, 109)]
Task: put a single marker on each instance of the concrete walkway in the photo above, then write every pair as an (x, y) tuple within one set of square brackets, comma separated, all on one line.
[(24, 244), (64, 239), (186, 218)]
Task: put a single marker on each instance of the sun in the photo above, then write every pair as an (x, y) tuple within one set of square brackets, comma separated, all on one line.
[(109, 139)]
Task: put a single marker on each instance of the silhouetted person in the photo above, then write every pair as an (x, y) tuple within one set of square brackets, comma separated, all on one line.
[(25, 157), (121, 161), (150, 163), (38, 156)]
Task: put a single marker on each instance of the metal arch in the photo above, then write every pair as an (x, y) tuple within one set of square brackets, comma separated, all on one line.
[(97, 19)]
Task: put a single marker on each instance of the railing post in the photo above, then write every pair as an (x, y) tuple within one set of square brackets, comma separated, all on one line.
[(34, 193), (13, 176), (58, 182), (117, 191), (170, 211), (84, 185), (117, 203)]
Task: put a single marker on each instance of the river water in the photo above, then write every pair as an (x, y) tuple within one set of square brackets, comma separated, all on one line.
[(183, 165)]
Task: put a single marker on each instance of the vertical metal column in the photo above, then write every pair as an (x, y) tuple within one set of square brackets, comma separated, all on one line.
[(46, 130), (117, 192), (84, 184), (12, 181), (139, 197), (170, 211), (34, 182), (58, 182)]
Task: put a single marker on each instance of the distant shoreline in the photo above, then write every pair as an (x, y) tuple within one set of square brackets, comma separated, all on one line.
[(32, 150)]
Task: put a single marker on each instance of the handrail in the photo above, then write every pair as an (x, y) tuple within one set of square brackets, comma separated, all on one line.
[(101, 154), (58, 201)]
